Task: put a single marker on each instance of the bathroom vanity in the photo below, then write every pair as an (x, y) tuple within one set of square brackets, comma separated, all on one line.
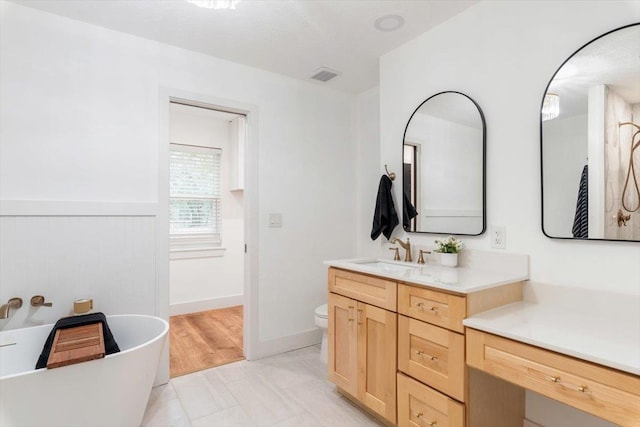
[(397, 342), (579, 349), (435, 346)]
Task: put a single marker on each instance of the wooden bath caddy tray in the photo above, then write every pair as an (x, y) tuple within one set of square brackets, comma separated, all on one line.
[(75, 345)]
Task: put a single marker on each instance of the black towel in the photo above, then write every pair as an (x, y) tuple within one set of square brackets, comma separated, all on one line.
[(581, 219), (110, 345), (385, 217), (408, 213)]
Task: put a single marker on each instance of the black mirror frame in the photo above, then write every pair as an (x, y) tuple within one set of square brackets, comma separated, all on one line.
[(484, 163), (546, 89)]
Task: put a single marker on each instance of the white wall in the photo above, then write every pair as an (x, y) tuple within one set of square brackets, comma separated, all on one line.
[(80, 122), (368, 169), (565, 154), (502, 54), (197, 284)]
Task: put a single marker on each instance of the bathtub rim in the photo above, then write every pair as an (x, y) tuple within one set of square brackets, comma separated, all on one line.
[(161, 335)]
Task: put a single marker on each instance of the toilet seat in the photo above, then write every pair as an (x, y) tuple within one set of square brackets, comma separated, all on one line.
[(322, 311)]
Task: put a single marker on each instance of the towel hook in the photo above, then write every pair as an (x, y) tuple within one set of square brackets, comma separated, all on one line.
[(391, 175)]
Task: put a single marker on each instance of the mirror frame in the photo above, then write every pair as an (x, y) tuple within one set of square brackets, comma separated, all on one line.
[(484, 163), (546, 89)]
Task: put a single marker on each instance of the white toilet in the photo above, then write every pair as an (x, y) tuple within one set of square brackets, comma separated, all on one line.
[(321, 319)]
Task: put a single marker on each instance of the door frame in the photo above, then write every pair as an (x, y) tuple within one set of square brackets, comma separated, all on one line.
[(250, 327)]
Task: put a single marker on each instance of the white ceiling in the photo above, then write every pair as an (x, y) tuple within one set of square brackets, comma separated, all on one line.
[(290, 37), (613, 60)]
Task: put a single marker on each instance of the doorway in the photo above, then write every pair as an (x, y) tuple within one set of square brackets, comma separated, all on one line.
[(206, 236)]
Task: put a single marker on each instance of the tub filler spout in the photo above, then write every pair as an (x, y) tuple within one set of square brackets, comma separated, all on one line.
[(14, 303)]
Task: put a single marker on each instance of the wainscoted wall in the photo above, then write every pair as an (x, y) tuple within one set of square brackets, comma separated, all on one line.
[(108, 258), (503, 54)]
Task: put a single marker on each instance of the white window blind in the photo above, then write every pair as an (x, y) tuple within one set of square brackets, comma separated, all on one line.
[(194, 196)]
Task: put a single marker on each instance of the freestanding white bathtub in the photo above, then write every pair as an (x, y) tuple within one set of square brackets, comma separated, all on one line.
[(109, 392)]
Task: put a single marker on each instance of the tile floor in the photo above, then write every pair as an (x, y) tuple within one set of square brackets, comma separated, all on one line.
[(288, 389)]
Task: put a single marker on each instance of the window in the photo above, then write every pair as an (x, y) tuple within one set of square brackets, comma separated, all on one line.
[(194, 197)]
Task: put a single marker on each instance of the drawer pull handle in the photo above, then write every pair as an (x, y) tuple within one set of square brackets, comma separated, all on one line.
[(420, 306), (431, 424), (420, 353), (360, 322), (583, 389), (555, 379)]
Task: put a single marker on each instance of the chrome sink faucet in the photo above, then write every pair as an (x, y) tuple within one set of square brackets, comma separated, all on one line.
[(406, 246), (14, 303)]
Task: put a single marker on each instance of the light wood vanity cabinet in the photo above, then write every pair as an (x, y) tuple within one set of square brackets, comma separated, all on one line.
[(433, 355), (435, 307), (362, 353), (421, 406), (393, 346), (607, 393), (361, 287)]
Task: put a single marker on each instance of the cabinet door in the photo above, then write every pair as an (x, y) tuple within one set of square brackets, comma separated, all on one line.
[(377, 359), (343, 343)]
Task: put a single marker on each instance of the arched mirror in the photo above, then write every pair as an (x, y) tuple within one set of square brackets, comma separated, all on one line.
[(590, 141), (443, 155)]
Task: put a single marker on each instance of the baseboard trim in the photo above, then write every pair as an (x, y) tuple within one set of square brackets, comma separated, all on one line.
[(206, 304), (288, 343), (529, 423)]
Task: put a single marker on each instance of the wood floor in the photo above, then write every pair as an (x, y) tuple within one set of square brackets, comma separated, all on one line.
[(206, 339)]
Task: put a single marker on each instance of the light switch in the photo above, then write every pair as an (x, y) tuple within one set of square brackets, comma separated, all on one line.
[(275, 220)]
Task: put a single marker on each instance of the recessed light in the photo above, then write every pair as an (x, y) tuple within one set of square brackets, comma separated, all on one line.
[(389, 23)]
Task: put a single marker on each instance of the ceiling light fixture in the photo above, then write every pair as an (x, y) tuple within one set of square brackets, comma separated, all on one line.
[(550, 107), (215, 4), (389, 23)]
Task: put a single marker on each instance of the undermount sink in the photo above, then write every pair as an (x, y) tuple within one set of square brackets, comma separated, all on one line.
[(387, 266)]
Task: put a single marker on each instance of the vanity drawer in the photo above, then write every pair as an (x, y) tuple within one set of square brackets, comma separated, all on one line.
[(421, 406), (430, 306), (432, 355), (370, 289), (598, 390)]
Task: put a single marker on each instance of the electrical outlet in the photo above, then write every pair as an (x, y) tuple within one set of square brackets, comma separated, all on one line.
[(498, 237)]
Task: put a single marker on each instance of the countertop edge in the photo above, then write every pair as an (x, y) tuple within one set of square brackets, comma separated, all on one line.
[(485, 326), (352, 265)]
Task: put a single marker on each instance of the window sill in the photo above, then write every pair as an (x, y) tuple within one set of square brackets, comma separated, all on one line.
[(192, 253)]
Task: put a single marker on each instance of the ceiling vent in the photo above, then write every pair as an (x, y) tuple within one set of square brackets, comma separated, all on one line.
[(324, 74)]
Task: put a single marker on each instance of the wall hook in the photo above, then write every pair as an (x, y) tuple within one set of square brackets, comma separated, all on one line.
[(391, 175)]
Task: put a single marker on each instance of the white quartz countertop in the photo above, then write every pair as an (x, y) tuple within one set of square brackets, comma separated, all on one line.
[(604, 333), (463, 280)]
